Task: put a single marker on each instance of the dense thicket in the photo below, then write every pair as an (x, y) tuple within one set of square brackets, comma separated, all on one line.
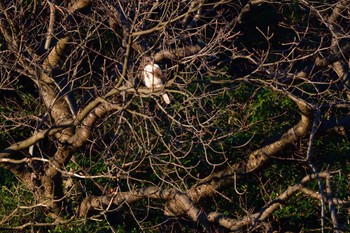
[(255, 138)]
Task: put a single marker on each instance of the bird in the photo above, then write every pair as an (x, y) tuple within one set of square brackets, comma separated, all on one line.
[(153, 78)]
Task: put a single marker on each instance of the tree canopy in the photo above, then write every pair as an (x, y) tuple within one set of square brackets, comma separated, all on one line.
[(255, 137)]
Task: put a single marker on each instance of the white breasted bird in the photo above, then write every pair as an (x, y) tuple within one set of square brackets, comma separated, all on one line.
[(153, 78)]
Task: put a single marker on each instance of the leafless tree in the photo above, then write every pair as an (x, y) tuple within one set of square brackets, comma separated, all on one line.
[(87, 140)]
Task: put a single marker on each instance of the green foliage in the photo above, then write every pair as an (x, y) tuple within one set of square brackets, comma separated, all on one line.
[(274, 110), (84, 226), (7, 178), (27, 2), (11, 198)]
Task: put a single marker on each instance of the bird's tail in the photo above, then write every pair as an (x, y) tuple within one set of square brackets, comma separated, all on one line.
[(166, 98)]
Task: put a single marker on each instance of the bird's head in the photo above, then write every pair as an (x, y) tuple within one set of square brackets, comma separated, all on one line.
[(148, 60)]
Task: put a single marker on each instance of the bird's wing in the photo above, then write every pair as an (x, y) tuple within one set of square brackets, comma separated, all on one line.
[(158, 73)]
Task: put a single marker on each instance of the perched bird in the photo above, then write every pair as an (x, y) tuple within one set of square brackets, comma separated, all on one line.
[(153, 78)]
